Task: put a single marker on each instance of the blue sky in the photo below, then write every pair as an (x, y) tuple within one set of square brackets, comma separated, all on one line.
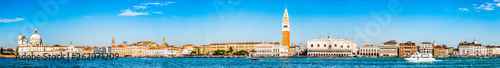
[(200, 22)]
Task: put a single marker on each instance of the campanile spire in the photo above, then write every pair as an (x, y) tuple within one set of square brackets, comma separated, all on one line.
[(286, 30)]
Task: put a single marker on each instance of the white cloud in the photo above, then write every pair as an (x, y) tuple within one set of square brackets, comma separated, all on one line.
[(5, 20), (496, 0), (157, 3), (488, 7), (87, 16), (140, 7), (129, 12), (156, 12), (463, 9), (153, 3), (498, 4), (482, 5)]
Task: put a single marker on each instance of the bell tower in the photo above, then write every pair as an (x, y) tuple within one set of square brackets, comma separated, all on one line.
[(164, 44), (113, 42), (286, 30)]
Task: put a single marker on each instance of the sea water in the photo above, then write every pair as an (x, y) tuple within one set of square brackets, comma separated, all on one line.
[(247, 63)]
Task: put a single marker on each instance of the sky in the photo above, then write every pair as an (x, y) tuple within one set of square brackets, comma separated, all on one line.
[(201, 22)]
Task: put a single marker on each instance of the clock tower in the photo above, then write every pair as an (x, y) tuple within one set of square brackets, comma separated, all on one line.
[(286, 30)]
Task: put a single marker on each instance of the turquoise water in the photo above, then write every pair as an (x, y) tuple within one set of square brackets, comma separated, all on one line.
[(245, 62)]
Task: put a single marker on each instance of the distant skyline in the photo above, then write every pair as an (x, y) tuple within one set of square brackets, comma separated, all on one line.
[(201, 22)]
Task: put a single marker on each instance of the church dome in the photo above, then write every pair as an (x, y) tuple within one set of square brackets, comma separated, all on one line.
[(35, 38)]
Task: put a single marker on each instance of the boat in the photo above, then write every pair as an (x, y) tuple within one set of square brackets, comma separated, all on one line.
[(486, 57), (325, 57), (417, 57), (254, 59), (144, 58)]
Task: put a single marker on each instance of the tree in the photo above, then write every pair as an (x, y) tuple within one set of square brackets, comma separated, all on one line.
[(17, 49), (242, 52), (1, 50), (230, 49), (219, 52), (193, 52)]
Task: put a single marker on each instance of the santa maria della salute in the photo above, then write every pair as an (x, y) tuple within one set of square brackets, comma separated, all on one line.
[(35, 46), (35, 39)]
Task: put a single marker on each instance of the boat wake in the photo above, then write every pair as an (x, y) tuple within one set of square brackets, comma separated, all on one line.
[(424, 61)]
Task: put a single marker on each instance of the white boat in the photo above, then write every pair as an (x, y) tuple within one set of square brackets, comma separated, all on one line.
[(417, 57)]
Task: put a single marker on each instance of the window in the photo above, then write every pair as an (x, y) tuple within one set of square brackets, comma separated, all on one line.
[(347, 46), (330, 46), (312, 45), (318, 45), (335, 45), (341, 46), (324, 45)]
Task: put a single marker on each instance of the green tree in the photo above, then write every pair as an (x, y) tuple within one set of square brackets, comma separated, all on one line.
[(219, 52), (230, 49), (1, 50), (227, 52), (242, 52), (17, 48), (193, 52)]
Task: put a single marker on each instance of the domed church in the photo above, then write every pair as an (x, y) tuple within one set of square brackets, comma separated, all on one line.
[(35, 39)]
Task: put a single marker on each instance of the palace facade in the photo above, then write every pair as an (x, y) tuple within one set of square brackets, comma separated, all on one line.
[(466, 49), (369, 51), (406, 49), (331, 47), (389, 49)]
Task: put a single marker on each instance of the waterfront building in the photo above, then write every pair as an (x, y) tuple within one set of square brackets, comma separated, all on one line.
[(454, 52), (441, 51), (148, 49), (120, 49), (247, 46), (154, 52), (406, 49), (389, 49), (186, 49), (174, 52), (369, 51), (35, 46), (493, 51), (168, 51), (204, 49), (269, 50), (237, 46), (286, 31), (471, 49), (426, 47), (195, 49), (331, 47), (297, 50)]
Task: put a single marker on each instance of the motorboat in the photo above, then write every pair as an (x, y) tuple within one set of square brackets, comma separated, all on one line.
[(325, 57), (417, 57), (254, 59)]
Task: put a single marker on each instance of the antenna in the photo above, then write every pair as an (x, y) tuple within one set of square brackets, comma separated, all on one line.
[(319, 36)]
